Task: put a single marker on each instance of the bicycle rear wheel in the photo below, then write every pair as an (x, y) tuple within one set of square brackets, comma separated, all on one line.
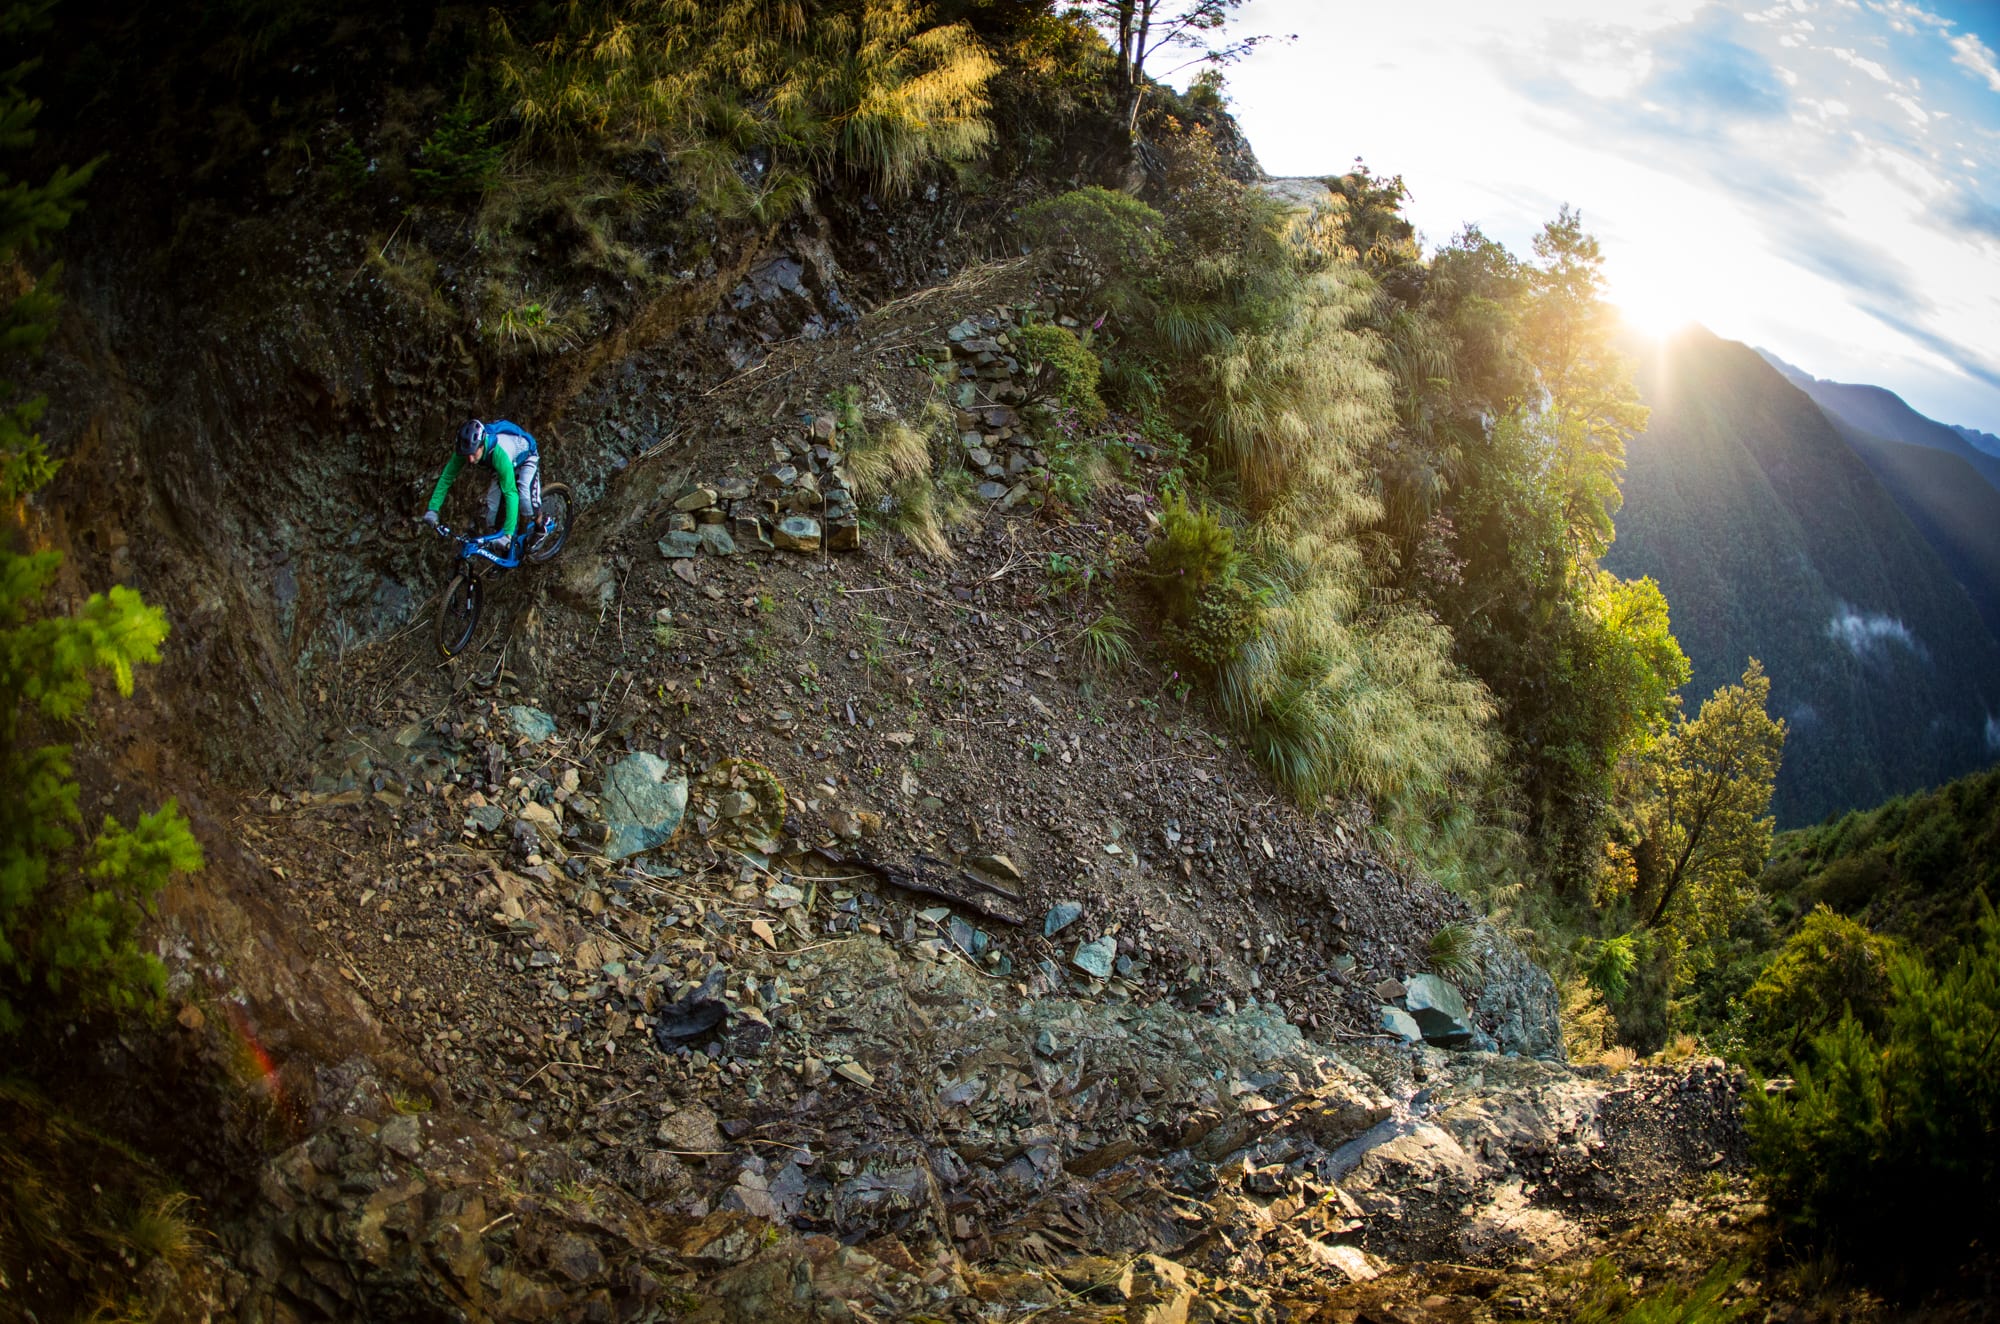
[(555, 524), (458, 616)]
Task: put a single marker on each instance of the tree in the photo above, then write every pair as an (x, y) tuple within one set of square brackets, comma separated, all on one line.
[(1142, 29), (68, 918), (1704, 830), (1832, 968), (1591, 408)]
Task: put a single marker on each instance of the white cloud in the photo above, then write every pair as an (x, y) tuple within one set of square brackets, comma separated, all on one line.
[(1866, 66), (1865, 635), (1903, 16), (1911, 108), (1974, 54)]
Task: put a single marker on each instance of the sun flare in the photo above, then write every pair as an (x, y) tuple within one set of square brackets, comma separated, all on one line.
[(1654, 302)]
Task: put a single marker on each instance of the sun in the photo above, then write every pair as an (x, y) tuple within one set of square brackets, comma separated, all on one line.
[(1655, 301)]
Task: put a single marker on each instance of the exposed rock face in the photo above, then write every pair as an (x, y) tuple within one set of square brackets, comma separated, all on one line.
[(1202, 1159), (1517, 1000)]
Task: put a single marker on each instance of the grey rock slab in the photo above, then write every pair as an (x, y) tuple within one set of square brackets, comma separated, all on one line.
[(1061, 915), (530, 723), (715, 540), (679, 544), (1000, 866), (990, 491), (1440, 1011), (1096, 957), (1401, 1024), (644, 801), (403, 1135)]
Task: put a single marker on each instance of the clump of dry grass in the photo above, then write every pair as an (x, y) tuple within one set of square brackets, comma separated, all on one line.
[(881, 460)]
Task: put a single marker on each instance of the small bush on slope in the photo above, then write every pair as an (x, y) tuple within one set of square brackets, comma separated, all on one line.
[(69, 918), (1075, 368), (1884, 1147)]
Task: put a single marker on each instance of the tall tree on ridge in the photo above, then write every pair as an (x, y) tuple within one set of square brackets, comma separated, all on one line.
[(1143, 28)]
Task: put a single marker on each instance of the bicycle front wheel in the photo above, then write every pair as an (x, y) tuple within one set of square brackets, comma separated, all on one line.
[(458, 616), (555, 524)]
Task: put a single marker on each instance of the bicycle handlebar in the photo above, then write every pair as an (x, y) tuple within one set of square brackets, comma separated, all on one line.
[(475, 546)]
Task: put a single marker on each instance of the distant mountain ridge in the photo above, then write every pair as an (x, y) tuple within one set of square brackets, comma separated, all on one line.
[(1880, 412), (1984, 441), (1774, 538)]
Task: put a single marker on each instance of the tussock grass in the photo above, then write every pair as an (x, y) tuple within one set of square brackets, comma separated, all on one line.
[(877, 90), (1106, 643), (877, 461), (412, 275), (1331, 703), (163, 1228), (1454, 952)]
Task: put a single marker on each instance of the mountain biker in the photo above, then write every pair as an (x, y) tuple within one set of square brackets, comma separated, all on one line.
[(517, 475)]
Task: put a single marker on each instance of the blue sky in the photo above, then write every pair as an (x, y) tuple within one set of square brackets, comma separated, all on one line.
[(1818, 177)]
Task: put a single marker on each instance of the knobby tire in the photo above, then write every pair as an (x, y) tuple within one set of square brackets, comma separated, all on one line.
[(458, 616), (556, 510)]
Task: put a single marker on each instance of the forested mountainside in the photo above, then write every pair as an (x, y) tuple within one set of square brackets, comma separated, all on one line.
[(1947, 488), (1069, 751), (1955, 509), (1773, 539)]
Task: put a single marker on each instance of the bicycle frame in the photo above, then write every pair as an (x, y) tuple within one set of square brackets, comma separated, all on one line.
[(473, 549)]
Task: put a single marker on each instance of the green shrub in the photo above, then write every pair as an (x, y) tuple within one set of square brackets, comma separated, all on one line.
[(459, 159), (1832, 967), (1609, 969), (1224, 619), (1076, 369), (1607, 1299), (1883, 1149), (1107, 240), (347, 169), (1193, 554), (69, 915)]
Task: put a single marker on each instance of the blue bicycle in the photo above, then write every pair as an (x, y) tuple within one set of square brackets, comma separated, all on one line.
[(478, 556)]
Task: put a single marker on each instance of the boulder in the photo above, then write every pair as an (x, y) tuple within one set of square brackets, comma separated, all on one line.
[(644, 800), (1061, 915), (1439, 1010), (1401, 1024)]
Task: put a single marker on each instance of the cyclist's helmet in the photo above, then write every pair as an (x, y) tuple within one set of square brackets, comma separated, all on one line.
[(471, 437)]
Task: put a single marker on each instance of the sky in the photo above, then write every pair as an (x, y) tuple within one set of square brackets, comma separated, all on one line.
[(1820, 178)]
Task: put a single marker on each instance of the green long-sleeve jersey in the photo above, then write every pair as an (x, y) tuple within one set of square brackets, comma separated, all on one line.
[(499, 455)]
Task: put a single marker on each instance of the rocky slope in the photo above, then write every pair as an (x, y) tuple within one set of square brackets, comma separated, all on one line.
[(848, 949), (760, 933)]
